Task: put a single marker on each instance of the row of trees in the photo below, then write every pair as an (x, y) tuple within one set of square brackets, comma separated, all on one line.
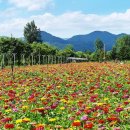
[(120, 51), (33, 45)]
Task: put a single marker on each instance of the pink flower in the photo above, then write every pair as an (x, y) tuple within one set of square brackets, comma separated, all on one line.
[(119, 109), (84, 118), (15, 109)]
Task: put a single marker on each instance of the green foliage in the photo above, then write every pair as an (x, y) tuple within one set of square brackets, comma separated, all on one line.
[(113, 53), (8, 45), (81, 54), (43, 49), (99, 53), (123, 48), (68, 51), (32, 33), (99, 44), (109, 55)]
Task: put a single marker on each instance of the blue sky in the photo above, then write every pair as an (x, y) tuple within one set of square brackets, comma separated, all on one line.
[(65, 18), (92, 6)]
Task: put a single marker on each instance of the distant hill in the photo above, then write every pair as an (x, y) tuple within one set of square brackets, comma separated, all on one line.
[(53, 40), (82, 42)]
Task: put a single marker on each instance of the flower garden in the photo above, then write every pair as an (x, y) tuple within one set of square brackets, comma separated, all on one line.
[(76, 96)]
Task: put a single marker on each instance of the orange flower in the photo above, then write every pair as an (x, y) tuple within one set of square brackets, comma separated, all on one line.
[(101, 121), (113, 118), (88, 125), (76, 123)]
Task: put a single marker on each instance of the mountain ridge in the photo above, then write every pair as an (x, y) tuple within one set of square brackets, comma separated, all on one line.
[(82, 42)]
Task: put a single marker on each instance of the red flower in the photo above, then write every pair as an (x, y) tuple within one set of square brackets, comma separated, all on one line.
[(4, 120), (41, 110), (119, 109), (119, 85), (106, 110), (53, 106), (126, 103), (87, 111), (6, 107), (78, 113), (113, 118), (76, 123), (39, 128), (88, 125), (91, 119), (101, 121), (9, 126)]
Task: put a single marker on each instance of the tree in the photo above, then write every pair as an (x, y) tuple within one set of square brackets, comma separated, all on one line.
[(32, 33), (123, 48), (99, 44), (93, 56), (81, 54), (69, 51), (109, 55), (99, 55), (11, 45), (113, 53)]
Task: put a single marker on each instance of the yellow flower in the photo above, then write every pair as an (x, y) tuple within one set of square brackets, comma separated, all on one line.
[(26, 90), (24, 100), (88, 107), (88, 82), (63, 100), (1, 98), (122, 106), (62, 108), (24, 107), (70, 129), (106, 99), (77, 121), (9, 110), (100, 104), (43, 98), (58, 86), (70, 102), (39, 125), (19, 121), (17, 95), (113, 123), (52, 119), (26, 120)]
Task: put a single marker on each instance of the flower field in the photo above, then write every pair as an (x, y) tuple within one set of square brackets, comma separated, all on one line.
[(75, 96)]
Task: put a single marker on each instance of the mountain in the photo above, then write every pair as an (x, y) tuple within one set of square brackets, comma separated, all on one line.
[(82, 42), (53, 40)]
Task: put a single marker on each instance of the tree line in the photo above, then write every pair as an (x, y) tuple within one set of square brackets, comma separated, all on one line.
[(32, 44)]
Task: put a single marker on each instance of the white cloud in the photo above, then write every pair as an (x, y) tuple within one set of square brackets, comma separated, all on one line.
[(14, 26), (32, 5), (71, 23), (8, 13)]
